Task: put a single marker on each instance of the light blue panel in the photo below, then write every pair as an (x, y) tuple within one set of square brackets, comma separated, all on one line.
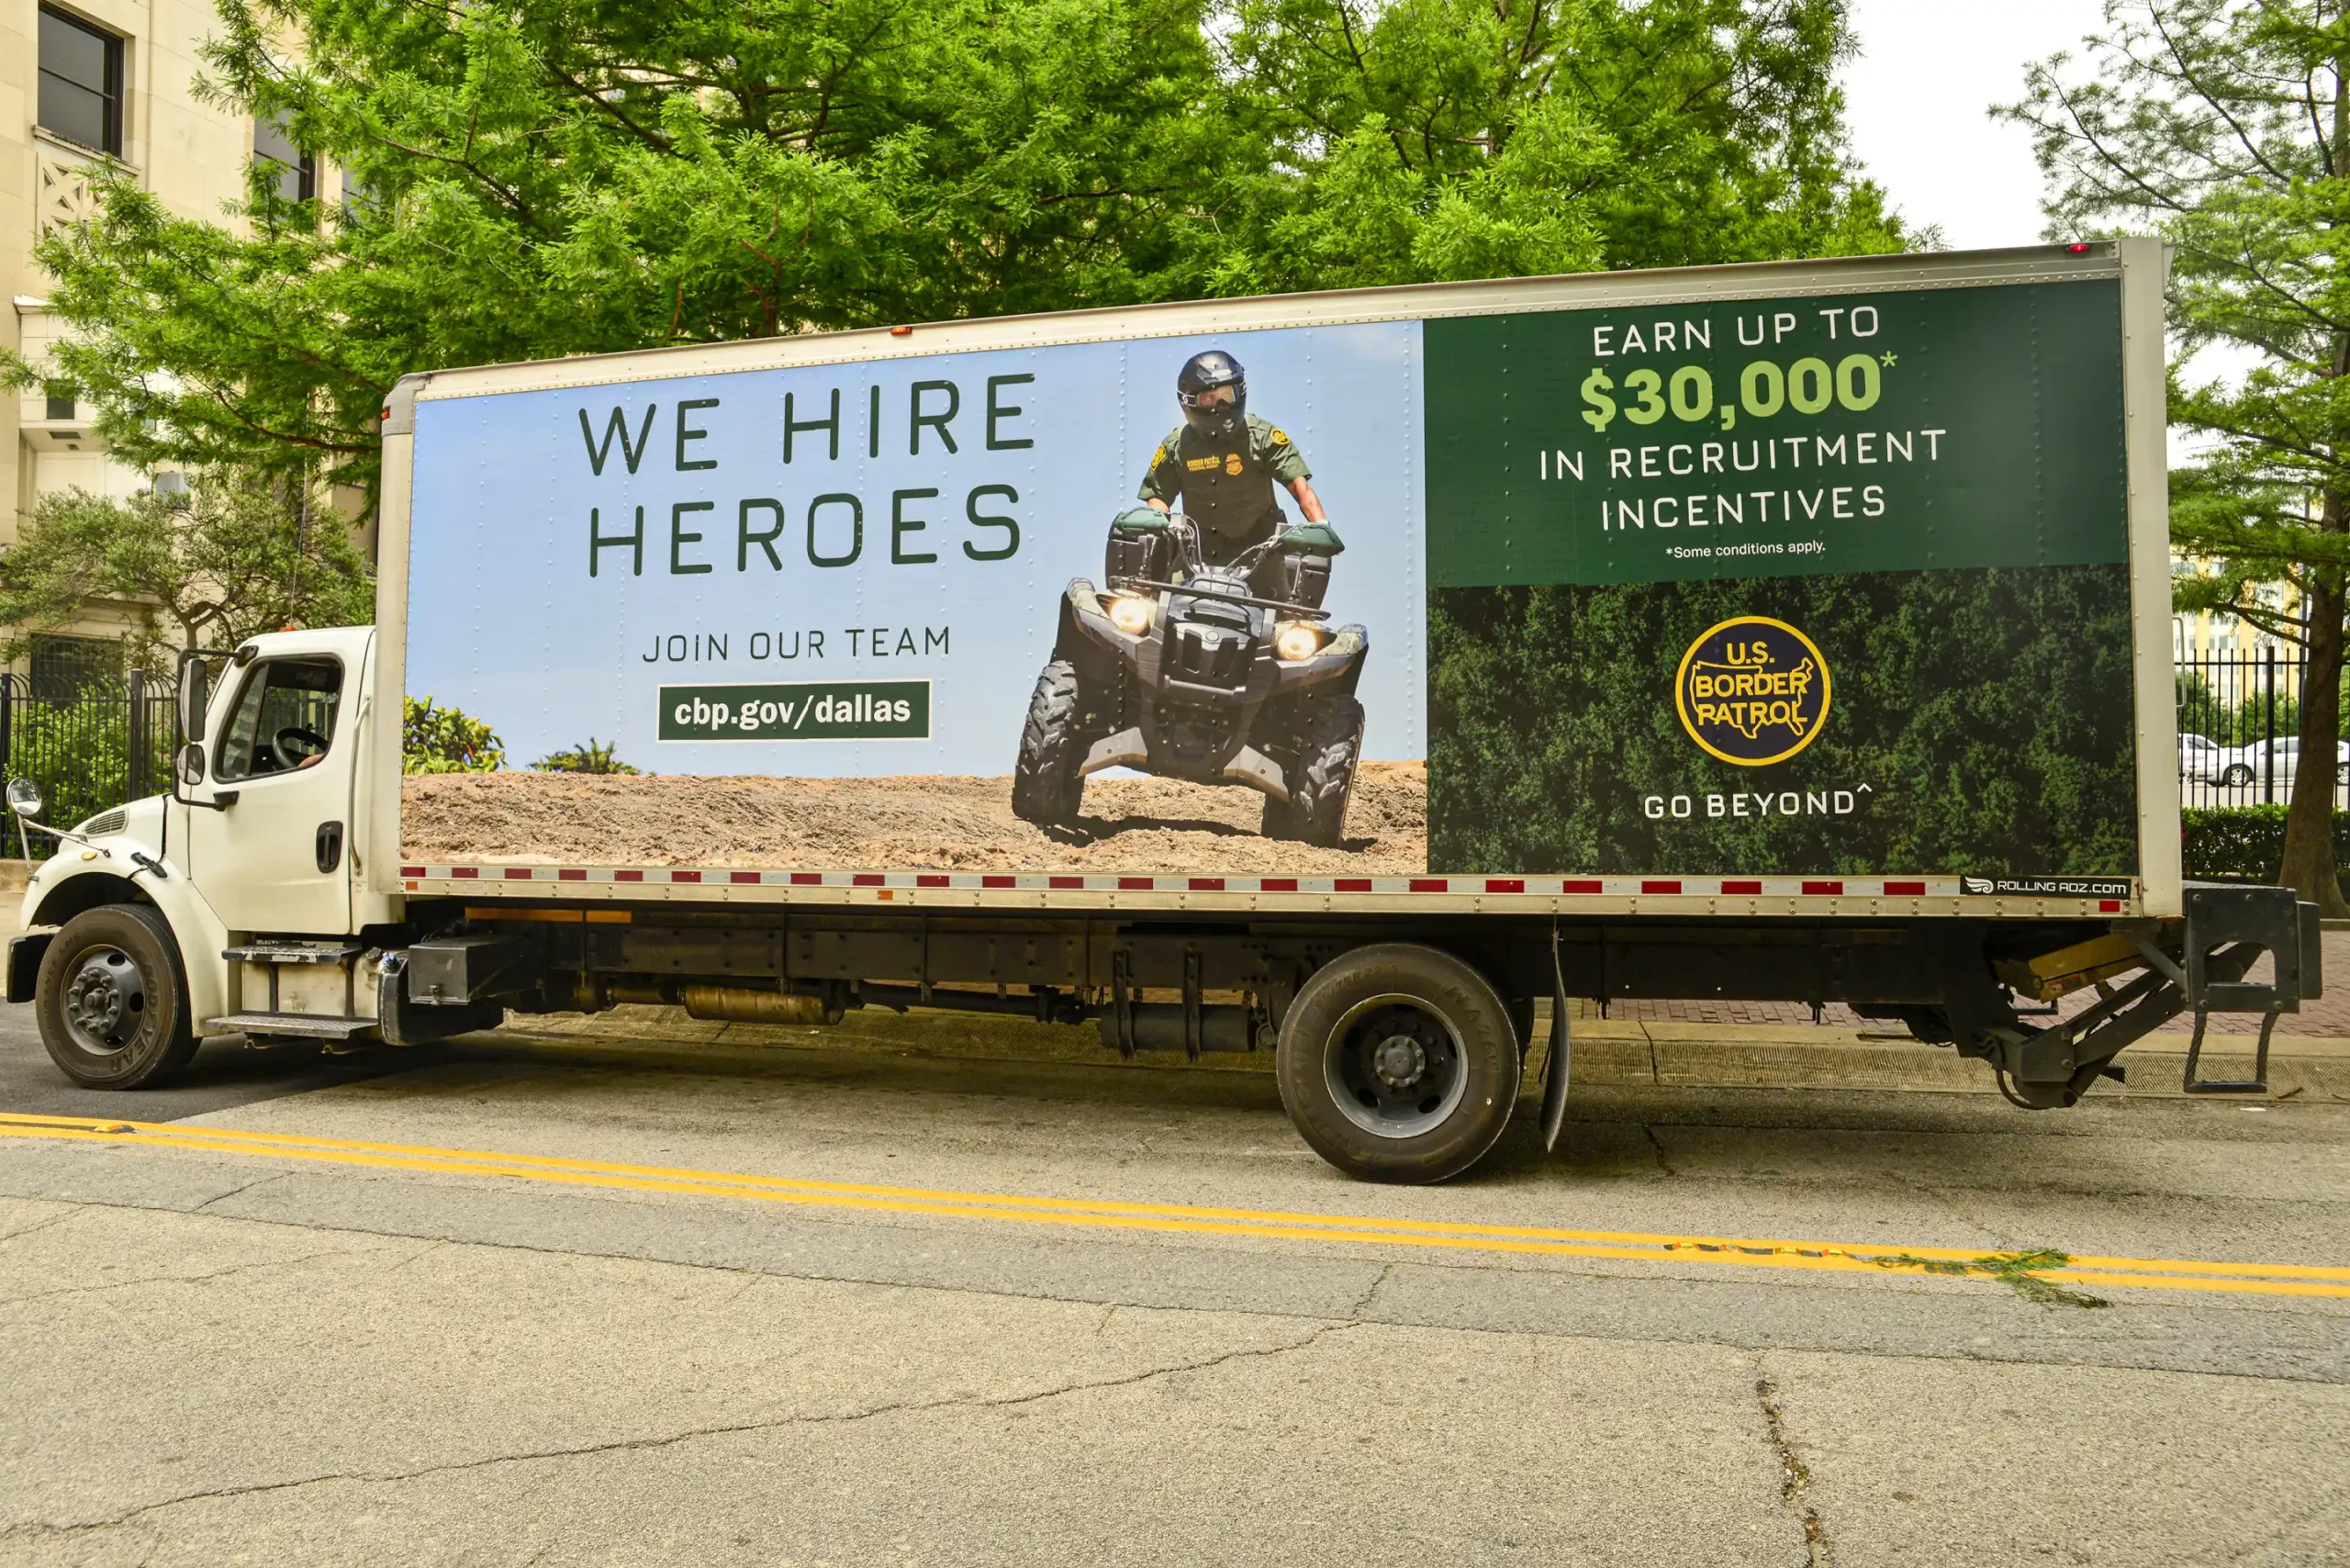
[(505, 622)]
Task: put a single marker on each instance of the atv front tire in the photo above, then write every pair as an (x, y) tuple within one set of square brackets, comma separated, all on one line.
[(1047, 787), (1323, 779)]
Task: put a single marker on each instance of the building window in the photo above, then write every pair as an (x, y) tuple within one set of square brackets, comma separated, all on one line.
[(81, 81), (294, 172), (61, 405), (66, 668)]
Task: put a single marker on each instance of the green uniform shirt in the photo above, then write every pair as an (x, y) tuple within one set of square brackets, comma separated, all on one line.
[(1225, 483)]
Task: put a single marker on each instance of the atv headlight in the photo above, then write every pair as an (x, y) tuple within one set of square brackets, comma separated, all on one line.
[(1131, 613), (1295, 640)]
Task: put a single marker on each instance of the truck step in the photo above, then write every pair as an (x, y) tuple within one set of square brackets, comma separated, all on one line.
[(293, 952), (316, 1026)]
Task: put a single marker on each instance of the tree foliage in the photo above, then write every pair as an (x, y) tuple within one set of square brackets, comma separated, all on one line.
[(446, 740), (551, 177), (222, 561), (1973, 706), (593, 757), (2224, 126)]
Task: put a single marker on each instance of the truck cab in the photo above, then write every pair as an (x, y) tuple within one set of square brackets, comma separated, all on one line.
[(233, 903)]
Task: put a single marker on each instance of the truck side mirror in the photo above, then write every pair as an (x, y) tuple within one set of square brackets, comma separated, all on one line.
[(192, 764), (25, 798), (194, 677)]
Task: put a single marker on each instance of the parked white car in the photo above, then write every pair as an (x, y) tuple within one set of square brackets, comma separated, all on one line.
[(2199, 758), (2239, 766)]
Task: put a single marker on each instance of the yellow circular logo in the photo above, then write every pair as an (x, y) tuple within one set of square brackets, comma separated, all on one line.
[(1752, 692)]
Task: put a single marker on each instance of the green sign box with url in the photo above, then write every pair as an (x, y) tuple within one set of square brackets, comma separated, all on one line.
[(812, 710)]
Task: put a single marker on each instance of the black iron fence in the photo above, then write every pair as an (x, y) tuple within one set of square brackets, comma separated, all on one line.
[(2239, 730), (106, 745)]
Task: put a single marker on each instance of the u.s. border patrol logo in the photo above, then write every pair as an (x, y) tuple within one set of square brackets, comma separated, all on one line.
[(1751, 692)]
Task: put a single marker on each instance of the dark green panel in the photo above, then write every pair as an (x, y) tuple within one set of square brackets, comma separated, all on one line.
[(1962, 428), (799, 711), (1980, 722)]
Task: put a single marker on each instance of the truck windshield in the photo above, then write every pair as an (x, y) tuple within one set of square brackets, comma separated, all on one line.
[(284, 721)]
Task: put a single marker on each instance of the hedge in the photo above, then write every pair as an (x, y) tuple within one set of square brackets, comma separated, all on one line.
[(2245, 841)]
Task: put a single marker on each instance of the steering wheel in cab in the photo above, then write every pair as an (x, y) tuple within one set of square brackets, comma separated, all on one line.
[(298, 747)]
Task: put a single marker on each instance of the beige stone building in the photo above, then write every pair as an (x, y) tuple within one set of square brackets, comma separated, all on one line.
[(82, 84)]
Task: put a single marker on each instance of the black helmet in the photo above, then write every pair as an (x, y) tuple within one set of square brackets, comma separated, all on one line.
[(1213, 391)]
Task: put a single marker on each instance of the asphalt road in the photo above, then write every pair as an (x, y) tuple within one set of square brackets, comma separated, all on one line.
[(537, 1300)]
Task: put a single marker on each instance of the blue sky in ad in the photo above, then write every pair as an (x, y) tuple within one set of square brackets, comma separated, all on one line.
[(506, 623)]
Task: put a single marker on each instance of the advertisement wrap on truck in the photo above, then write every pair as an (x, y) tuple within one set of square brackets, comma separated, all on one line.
[(1339, 675), (1828, 585)]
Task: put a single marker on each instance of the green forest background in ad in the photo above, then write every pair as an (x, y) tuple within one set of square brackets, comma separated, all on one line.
[(1987, 711)]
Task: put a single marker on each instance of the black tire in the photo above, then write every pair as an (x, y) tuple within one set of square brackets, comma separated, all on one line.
[(1324, 779), (2236, 777), (1047, 787), (1444, 1032), (112, 1000)]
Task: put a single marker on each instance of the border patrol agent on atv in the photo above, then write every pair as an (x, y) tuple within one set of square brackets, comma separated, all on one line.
[(1222, 463)]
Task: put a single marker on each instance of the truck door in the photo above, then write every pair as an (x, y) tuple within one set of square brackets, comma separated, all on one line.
[(278, 858)]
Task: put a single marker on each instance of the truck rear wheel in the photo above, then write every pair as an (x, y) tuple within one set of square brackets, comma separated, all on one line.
[(1323, 777), (1398, 1063), (1047, 787), (112, 1001)]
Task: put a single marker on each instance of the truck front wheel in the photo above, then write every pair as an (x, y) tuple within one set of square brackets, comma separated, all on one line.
[(1398, 1063), (111, 1000)]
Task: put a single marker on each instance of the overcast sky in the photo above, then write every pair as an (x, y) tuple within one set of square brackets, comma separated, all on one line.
[(1926, 72)]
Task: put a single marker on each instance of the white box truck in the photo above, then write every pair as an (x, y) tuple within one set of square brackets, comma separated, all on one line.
[(1333, 676)]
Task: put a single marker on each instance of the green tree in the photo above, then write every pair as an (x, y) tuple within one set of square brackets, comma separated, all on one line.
[(210, 566), (446, 740), (561, 176), (2224, 126), (592, 757)]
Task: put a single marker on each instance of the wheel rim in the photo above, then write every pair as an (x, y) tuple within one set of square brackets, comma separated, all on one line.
[(106, 1001), (1394, 1067)]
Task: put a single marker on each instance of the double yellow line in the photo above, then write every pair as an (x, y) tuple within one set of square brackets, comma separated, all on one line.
[(1175, 1219)]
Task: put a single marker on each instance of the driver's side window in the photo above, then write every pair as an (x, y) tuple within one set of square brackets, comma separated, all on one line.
[(284, 718)]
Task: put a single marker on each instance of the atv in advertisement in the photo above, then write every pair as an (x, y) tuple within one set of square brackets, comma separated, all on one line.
[(1186, 669)]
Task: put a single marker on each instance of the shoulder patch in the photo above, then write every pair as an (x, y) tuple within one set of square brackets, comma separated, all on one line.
[(1280, 436), (1159, 455)]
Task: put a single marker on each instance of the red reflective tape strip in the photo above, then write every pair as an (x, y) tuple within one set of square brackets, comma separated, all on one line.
[(411, 870), (807, 879), (571, 874), (628, 876), (930, 881), (1741, 887), (1278, 885), (1660, 887), (750, 876), (1905, 890), (1065, 882), (999, 881), (1505, 884), (1207, 884), (1431, 884), (866, 879), (1579, 885), (517, 873), (684, 875), (465, 871), (1823, 887), (2108, 906), (1352, 884), (1137, 884)]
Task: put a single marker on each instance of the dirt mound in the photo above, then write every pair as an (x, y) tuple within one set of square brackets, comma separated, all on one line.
[(939, 823)]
